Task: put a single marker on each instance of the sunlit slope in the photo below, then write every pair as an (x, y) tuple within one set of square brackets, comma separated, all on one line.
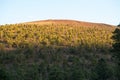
[(57, 33), (67, 22)]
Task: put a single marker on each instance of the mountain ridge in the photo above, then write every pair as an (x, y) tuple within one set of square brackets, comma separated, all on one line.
[(67, 21)]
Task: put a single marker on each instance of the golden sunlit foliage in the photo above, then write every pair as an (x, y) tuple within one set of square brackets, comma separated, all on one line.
[(21, 35)]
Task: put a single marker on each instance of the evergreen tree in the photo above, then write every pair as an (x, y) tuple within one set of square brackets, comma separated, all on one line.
[(116, 50)]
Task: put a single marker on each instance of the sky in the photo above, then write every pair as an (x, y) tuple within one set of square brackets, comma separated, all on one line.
[(100, 11)]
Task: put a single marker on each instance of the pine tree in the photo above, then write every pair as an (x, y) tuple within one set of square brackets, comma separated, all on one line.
[(116, 50), (116, 45)]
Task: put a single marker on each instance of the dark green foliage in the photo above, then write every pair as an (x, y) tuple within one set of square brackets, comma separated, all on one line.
[(116, 45), (56, 73), (3, 74), (77, 73), (101, 71), (117, 71), (116, 36), (32, 73), (116, 50), (43, 71)]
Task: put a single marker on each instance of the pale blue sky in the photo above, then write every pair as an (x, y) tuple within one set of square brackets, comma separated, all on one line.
[(101, 11)]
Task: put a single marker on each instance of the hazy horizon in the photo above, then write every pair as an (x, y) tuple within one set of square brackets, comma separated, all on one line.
[(17, 11)]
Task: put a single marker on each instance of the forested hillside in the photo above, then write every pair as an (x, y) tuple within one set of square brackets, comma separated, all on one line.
[(56, 51)]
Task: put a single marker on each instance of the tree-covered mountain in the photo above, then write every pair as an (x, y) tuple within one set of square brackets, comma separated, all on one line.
[(56, 50)]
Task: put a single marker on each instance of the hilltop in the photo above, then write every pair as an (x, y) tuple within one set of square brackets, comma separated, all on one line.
[(69, 22)]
